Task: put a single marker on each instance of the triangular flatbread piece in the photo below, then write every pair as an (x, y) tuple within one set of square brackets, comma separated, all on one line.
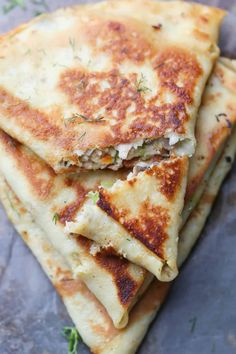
[(51, 200), (140, 217), (216, 119), (92, 86)]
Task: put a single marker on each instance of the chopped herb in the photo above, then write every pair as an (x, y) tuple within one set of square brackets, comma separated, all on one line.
[(140, 85), (116, 156), (107, 184), (12, 4), (72, 43), (55, 218), (218, 116), (38, 13), (159, 65), (81, 85), (85, 119), (141, 151), (193, 322), (157, 27), (94, 196), (128, 239), (72, 336), (81, 136), (228, 159)]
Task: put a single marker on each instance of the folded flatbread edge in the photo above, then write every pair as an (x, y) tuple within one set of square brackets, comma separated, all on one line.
[(89, 316)]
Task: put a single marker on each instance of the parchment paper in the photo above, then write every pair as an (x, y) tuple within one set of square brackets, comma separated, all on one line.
[(200, 313)]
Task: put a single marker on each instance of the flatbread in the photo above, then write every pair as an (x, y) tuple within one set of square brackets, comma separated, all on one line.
[(44, 193), (146, 209), (120, 214), (52, 199), (216, 119), (90, 318), (93, 86)]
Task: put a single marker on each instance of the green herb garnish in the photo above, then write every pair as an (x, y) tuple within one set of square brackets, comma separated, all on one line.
[(81, 136), (85, 119), (140, 85), (38, 13), (72, 336), (72, 43), (55, 218), (12, 4), (107, 184), (116, 156), (94, 196)]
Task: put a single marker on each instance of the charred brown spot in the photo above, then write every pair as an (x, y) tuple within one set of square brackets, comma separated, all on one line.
[(118, 268), (203, 36), (40, 175), (157, 27), (119, 40), (39, 124), (29, 118), (170, 176), (208, 198), (119, 95), (178, 71), (204, 19), (70, 210), (149, 227), (25, 236), (115, 98)]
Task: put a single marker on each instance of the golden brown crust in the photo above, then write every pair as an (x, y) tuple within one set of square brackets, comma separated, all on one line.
[(47, 186), (118, 65), (40, 175), (217, 117), (118, 267), (150, 224)]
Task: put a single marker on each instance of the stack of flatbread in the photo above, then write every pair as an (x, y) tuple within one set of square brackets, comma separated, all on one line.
[(117, 130)]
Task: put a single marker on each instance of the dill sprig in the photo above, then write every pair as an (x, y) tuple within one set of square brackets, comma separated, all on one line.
[(72, 336), (72, 43), (94, 196), (85, 119), (140, 85), (81, 136), (55, 218)]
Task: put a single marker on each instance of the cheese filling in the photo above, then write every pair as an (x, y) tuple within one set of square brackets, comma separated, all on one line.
[(113, 157)]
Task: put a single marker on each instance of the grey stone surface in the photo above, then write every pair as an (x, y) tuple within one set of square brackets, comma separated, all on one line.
[(199, 315)]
